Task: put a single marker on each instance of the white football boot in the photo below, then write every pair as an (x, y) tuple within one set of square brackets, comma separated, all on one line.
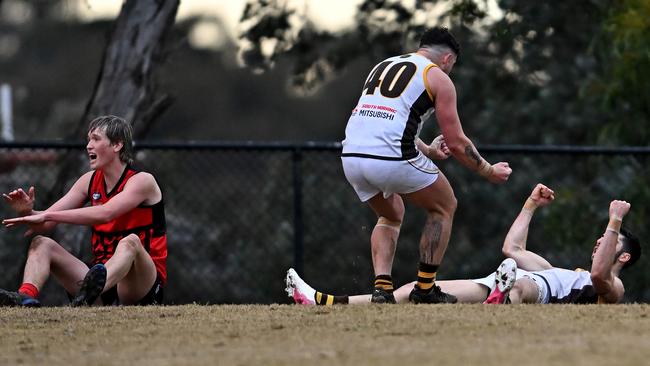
[(298, 290), (505, 278)]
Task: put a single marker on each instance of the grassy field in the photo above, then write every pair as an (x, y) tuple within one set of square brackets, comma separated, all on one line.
[(342, 335)]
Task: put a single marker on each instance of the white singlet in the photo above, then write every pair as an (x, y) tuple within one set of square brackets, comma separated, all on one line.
[(388, 117), (379, 153), (568, 287)]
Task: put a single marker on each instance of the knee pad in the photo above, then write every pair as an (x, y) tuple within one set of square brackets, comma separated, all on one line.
[(393, 225)]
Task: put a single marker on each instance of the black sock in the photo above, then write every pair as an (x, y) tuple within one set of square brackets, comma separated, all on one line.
[(426, 276), (325, 299), (384, 282)]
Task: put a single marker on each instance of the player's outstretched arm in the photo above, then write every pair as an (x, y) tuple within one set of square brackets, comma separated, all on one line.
[(607, 285), (514, 246), (141, 188), (460, 146), (23, 203)]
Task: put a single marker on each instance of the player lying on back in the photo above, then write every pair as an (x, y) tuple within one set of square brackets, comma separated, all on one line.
[(524, 276)]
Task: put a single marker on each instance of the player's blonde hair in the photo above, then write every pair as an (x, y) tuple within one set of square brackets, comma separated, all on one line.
[(117, 130)]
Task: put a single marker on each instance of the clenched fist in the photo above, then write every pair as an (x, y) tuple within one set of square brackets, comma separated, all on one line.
[(542, 195)]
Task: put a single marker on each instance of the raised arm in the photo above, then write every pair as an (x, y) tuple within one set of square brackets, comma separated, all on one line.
[(140, 189), (607, 285), (460, 146), (514, 246)]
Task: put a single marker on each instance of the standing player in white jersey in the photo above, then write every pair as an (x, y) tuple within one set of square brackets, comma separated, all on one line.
[(385, 161)]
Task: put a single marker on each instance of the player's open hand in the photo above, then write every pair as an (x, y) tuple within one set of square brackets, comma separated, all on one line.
[(20, 201), (27, 220), (542, 195), (500, 172), (618, 209)]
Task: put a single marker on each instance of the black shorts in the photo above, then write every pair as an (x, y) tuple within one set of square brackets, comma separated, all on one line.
[(153, 297)]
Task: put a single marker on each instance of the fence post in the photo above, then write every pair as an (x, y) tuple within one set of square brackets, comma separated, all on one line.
[(6, 113), (298, 248)]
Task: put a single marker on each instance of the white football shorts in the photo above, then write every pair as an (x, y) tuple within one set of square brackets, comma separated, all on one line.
[(542, 293), (369, 176)]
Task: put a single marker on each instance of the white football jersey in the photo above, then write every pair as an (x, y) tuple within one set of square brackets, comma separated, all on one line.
[(569, 287), (388, 117)]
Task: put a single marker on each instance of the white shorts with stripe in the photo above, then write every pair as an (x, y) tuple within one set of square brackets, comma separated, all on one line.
[(489, 280), (542, 293), (370, 176)]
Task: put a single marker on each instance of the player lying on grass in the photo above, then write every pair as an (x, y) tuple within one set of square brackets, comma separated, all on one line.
[(126, 213), (524, 277)]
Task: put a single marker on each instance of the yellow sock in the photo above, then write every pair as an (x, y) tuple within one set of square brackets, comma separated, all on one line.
[(426, 276)]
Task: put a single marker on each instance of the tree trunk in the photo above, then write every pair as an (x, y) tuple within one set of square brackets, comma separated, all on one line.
[(124, 86)]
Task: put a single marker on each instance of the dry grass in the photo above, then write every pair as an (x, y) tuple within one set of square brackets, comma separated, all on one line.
[(342, 335)]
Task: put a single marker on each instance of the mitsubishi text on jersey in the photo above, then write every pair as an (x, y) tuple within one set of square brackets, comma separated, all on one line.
[(388, 117)]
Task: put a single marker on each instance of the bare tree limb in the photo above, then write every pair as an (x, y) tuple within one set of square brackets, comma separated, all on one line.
[(124, 86)]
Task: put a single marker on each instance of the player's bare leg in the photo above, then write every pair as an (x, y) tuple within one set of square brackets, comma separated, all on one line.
[(45, 256), (467, 291), (439, 201), (130, 268), (383, 241), (524, 291)]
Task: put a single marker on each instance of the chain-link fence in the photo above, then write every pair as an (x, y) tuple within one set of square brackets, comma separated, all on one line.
[(239, 215)]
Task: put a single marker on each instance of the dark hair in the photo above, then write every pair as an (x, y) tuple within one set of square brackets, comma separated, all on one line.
[(440, 36), (117, 130), (631, 245)]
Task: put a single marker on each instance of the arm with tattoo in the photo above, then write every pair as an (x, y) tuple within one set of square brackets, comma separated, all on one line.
[(460, 146)]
